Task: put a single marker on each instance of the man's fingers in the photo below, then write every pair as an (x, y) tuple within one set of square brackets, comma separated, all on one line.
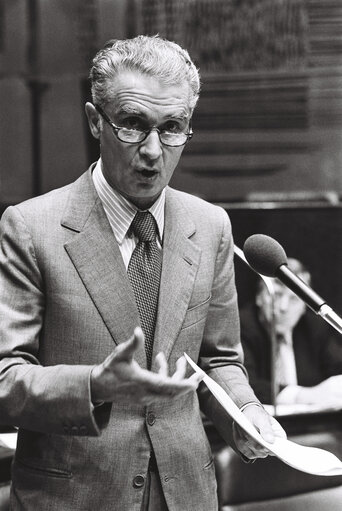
[(266, 432), (162, 368), (278, 430), (261, 421), (138, 338), (125, 351), (196, 379), (163, 386), (180, 369), (247, 445)]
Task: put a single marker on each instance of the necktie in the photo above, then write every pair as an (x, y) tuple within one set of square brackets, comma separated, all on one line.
[(144, 270), (286, 364)]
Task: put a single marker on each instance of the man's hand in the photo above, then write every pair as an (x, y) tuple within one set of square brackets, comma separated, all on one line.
[(268, 428), (328, 392), (121, 377)]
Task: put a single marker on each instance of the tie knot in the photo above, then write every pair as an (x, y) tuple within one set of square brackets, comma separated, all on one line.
[(282, 338), (144, 226)]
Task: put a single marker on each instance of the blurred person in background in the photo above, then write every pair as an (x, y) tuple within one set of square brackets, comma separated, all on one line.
[(309, 352)]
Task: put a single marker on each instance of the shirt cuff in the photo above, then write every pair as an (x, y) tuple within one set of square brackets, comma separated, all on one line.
[(250, 403)]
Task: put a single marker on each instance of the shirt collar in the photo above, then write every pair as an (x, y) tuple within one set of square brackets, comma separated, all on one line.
[(119, 210)]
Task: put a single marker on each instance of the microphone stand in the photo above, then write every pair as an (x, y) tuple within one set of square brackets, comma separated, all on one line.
[(274, 345)]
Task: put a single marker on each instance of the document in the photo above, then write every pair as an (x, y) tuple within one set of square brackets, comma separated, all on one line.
[(8, 440), (311, 460)]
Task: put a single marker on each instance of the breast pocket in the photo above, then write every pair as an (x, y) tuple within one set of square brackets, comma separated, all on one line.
[(196, 313)]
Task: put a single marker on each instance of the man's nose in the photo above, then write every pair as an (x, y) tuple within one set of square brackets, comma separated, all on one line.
[(283, 303), (151, 147)]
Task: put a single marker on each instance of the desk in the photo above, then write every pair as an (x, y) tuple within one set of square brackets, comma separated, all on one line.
[(301, 419), (270, 478)]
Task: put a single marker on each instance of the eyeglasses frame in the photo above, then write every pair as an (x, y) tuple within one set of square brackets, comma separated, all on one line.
[(116, 130)]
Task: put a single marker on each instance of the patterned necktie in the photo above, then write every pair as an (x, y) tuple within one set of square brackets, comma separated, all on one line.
[(144, 270)]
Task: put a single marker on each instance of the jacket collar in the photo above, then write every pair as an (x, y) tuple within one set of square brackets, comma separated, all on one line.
[(96, 256)]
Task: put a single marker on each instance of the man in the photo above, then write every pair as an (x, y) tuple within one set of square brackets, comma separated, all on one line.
[(309, 359), (107, 411)]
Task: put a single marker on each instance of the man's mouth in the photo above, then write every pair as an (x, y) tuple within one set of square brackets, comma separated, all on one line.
[(148, 172)]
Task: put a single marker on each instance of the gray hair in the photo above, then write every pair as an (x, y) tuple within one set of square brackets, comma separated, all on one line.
[(151, 55)]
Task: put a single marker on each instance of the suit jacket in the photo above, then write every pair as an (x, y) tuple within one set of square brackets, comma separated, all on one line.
[(317, 351), (65, 303)]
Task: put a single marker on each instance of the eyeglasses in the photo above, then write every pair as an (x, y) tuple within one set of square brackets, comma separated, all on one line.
[(135, 136)]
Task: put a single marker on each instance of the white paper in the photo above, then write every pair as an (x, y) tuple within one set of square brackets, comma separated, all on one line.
[(9, 439), (307, 459)]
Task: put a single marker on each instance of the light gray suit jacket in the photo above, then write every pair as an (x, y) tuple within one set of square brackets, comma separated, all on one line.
[(65, 303)]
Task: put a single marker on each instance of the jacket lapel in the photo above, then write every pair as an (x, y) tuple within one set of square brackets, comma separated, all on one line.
[(181, 258), (96, 256)]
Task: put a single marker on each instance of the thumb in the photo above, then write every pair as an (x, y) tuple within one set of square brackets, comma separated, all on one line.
[(125, 351), (266, 431), (261, 420), (278, 430)]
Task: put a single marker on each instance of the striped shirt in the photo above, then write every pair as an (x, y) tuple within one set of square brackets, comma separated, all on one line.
[(120, 213)]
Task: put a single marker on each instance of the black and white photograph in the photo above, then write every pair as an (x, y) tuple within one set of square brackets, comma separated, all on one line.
[(170, 255)]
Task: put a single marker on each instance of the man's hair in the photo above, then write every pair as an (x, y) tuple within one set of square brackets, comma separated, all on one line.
[(150, 55)]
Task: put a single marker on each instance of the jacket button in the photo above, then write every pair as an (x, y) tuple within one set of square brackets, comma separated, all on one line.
[(151, 418), (138, 481), (83, 430)]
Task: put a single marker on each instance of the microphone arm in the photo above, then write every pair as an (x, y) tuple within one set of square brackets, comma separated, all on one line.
[(274, 346), (309, 296), (330, 317)]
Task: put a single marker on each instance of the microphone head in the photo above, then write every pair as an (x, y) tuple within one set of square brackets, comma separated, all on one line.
[(264, 254)]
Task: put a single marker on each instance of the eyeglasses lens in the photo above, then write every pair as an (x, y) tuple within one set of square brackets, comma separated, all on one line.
[(136, 136)]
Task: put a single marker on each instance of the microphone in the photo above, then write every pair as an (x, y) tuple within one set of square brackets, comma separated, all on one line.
[(266, 256)]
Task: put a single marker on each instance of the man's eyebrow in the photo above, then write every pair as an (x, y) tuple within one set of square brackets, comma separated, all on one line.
[(131, 110), (179, 117), (128, 109)]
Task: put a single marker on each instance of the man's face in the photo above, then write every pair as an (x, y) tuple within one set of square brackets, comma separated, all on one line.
[(288, 308), (141, 171)]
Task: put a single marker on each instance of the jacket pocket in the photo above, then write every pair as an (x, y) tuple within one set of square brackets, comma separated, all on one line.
[(43, 471), (209, 465), (196, 313)]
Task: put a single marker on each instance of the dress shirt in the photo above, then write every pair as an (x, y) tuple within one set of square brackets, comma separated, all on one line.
[(286, 370), (286, 364), (120, 213)]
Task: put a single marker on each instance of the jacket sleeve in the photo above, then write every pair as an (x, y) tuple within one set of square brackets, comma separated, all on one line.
[(54, 399), (221, 355)]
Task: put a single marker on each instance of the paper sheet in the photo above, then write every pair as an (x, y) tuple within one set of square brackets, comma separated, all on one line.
[(307, 459), (9, 439)]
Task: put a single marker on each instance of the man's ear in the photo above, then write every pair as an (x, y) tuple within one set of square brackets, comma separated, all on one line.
[(93, 120)]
